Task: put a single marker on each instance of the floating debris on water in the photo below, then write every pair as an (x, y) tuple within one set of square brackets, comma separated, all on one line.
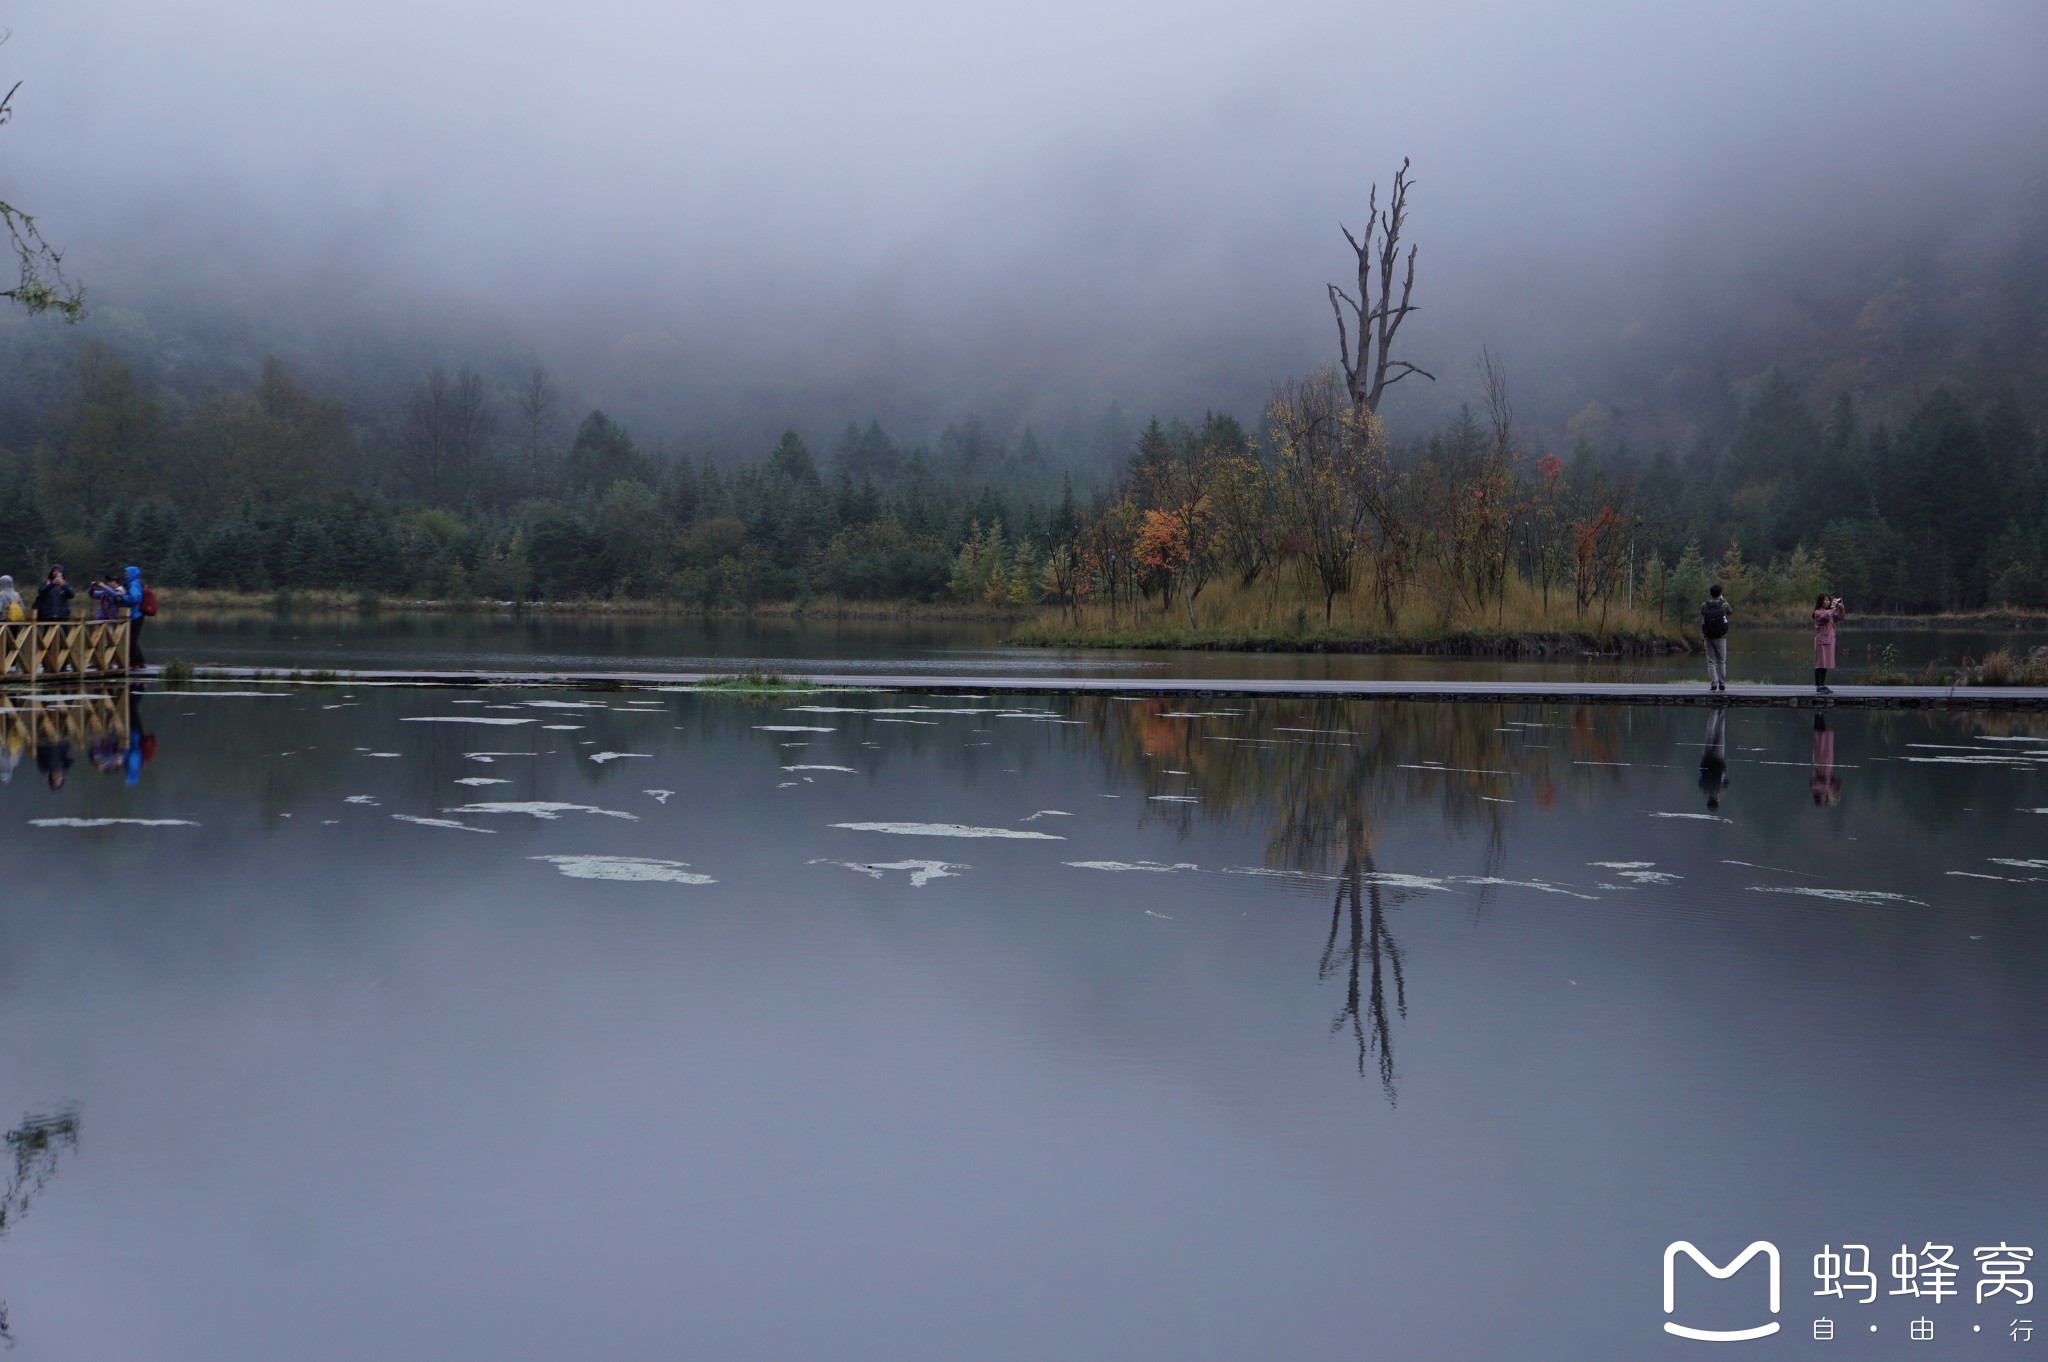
[(1160, 867), (949, 830), (1874, 898), (540, 808), (629, 869), (441, 823), (921, 872), (111, 823)]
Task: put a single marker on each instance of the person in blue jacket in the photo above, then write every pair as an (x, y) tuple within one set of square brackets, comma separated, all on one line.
[(131, 597)]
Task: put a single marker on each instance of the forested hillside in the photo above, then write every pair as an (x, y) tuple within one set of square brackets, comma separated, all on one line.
[(1870, 420)]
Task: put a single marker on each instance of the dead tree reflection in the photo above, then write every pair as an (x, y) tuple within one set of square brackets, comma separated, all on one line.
[(1368, 956), (36, 1144)]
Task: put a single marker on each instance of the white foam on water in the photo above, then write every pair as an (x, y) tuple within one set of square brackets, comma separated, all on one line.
[(462, 719), (1987, 737), (1873, 898), (1694, 817), (481, 780), (1159, 867), (1045, 813), (1175, 799), (925, 723), (488, 757), (602, 757), (921, 872), (1623, 865), (1539, 885), (565, 728), (382, 754), (1650, 876), (111, 823), (848, 709), (626, 869), (1494, 799), (442, 823), (794, 728), (1454, 770), (349, 705), (539, 808), (659, 796), (1976, 875), (2018, 864), (563, 704), (846, 769), (360, 799), (234, 694), (948, 830)]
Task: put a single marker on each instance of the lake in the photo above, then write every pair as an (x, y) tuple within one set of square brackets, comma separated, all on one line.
[(362, 1021), (571, 643)]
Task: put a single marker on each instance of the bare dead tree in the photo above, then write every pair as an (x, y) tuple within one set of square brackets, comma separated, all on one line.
[(1500, 410), (538, 401), (426, 436), (1373, 370), (40, 285), (471, 425)]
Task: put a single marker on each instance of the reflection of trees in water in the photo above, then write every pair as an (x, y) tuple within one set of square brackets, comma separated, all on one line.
[(1320, 778), (36, 1145), (1361, 897)]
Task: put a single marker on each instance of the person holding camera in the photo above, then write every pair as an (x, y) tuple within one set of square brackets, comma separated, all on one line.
[(1827, 613)]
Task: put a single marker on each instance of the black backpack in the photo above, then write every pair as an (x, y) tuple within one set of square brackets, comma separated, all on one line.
[(1714, 619)]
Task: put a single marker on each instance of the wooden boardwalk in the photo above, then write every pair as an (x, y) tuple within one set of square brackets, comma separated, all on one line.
[(1475, 692), (70, 650)]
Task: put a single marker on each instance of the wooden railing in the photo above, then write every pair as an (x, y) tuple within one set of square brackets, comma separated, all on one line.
[(69, 648)]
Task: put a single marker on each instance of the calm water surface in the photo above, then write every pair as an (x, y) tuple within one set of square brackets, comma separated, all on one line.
[(597, 643), (516, 1024)]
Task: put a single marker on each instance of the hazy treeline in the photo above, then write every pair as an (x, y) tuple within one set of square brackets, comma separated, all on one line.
[(470, 490)]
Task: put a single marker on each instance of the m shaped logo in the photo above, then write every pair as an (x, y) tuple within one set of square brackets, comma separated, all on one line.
[(1735, 1265)]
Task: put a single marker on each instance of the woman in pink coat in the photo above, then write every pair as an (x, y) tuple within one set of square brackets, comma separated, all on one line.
[(1827, 612)]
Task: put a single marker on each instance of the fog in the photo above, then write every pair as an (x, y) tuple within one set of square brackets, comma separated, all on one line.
[(719, 220)]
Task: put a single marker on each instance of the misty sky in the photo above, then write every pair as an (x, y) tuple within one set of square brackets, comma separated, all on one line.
[(916, 210)]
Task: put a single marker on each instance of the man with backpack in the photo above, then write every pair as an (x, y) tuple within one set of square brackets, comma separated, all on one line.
[(140, 599), (1714, 621)]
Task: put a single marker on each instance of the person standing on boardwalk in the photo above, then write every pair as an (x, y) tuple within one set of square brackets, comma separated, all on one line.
[(1714, 620), (138, 603), (1827, 613), (53, 597)]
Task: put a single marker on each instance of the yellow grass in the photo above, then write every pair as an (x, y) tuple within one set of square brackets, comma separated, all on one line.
[(1291, 612)]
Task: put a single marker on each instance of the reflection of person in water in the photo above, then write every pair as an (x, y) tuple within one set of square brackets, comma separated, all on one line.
[(1714, 758), (53, 759), (141, 745), (1826, 785)]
